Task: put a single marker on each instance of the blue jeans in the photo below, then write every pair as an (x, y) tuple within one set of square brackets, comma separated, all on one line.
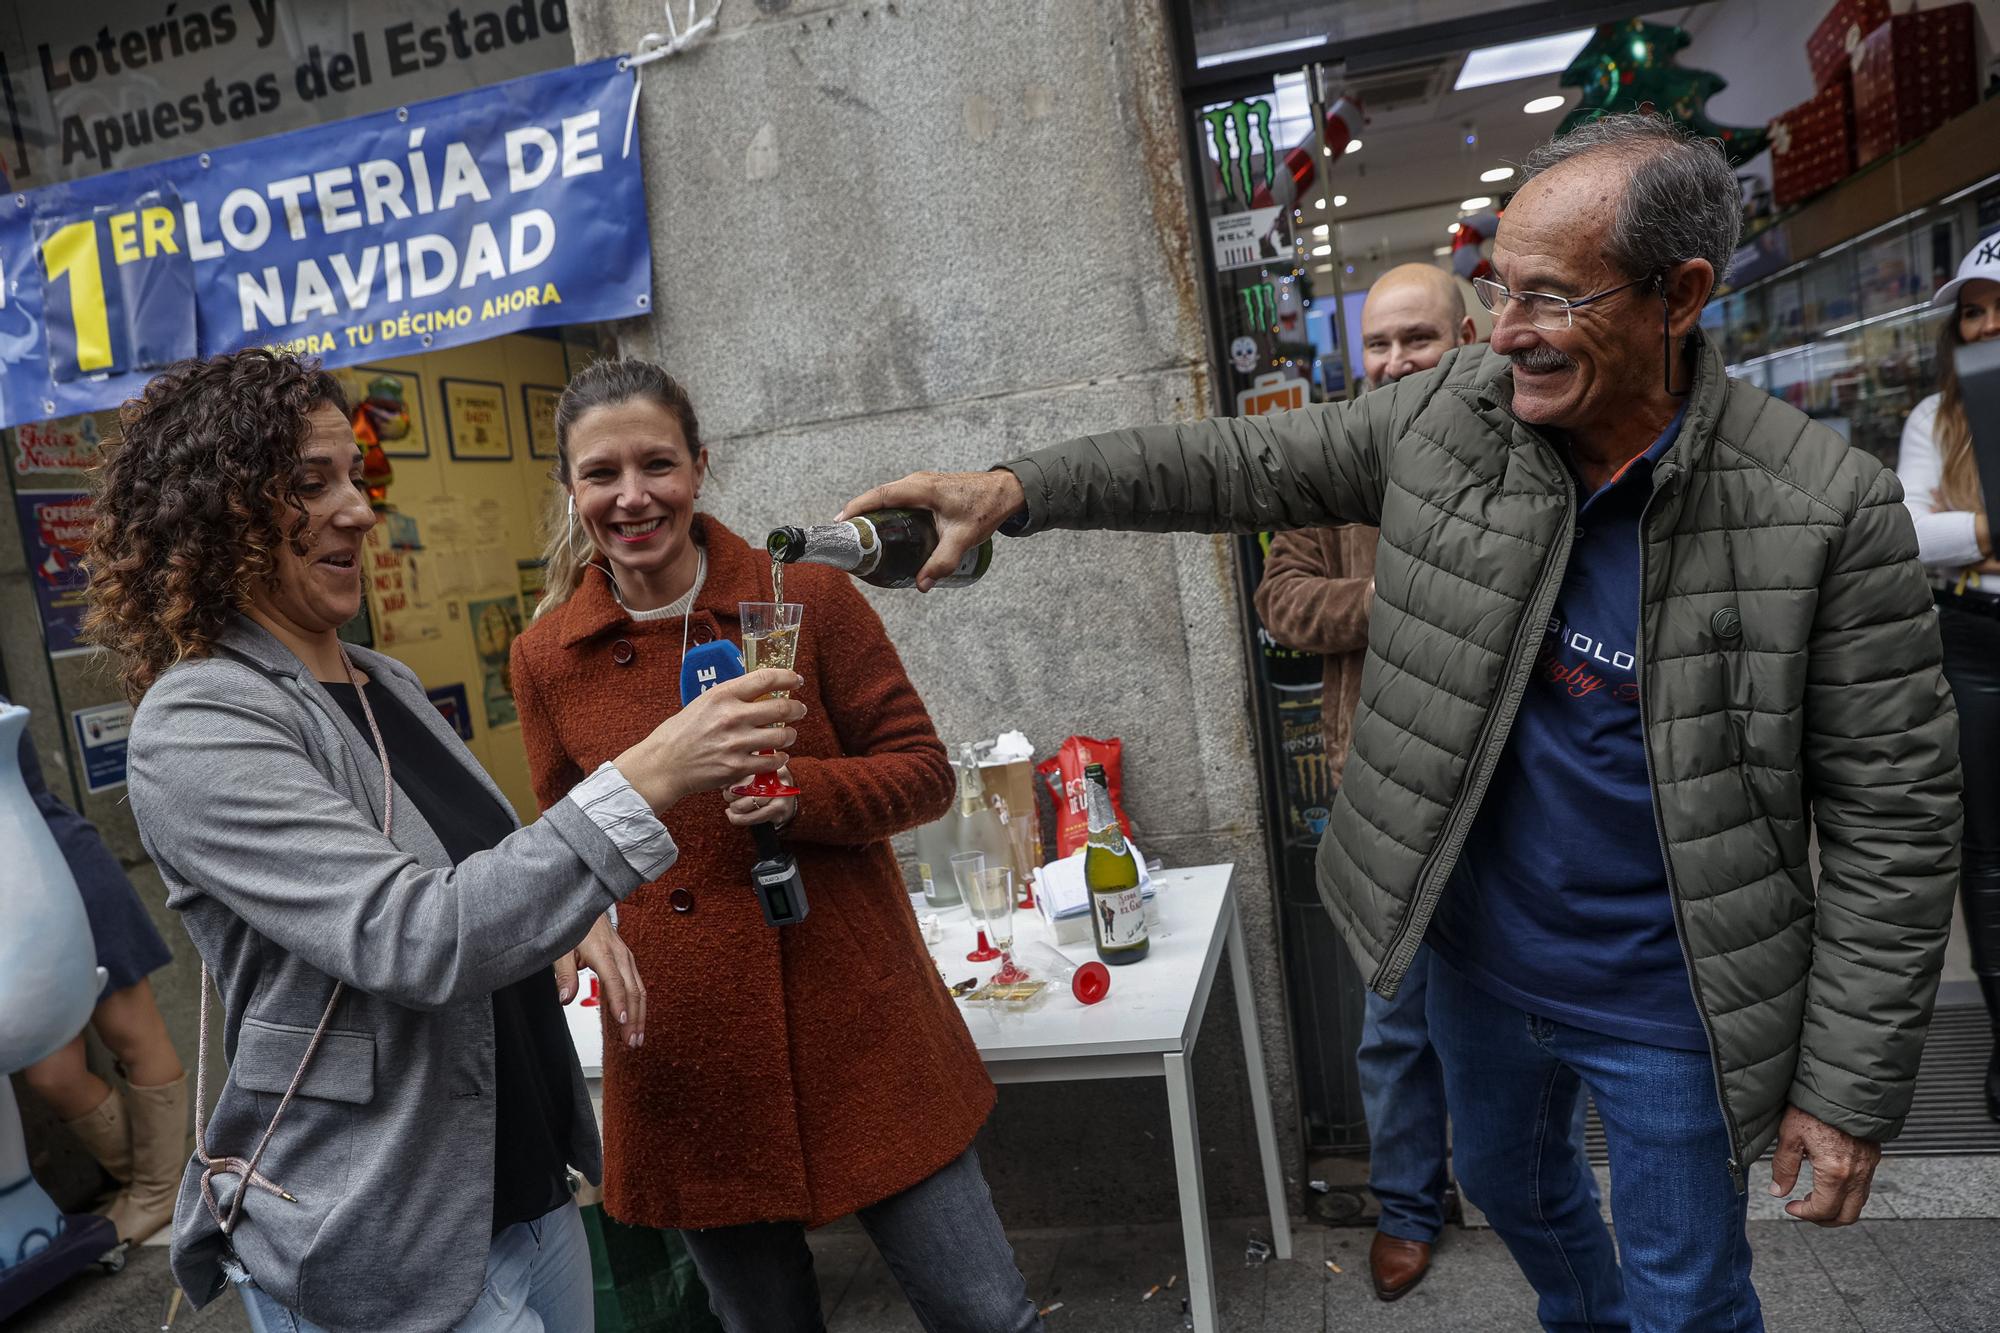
[(537, 1281), (940, 1237), (1513, 1079), (1402, 1095)]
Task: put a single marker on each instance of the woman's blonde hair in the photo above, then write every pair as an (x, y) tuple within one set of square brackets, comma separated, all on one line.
[(601, 384), (1960, 485)]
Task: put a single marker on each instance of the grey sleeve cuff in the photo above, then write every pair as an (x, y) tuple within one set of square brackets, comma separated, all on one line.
[(611, 804), (1028, 519)]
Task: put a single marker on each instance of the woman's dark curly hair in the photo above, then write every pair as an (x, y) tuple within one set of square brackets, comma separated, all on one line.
[(192, 502)]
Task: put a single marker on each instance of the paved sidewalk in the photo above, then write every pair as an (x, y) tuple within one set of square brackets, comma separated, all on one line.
[(1881, 1276)]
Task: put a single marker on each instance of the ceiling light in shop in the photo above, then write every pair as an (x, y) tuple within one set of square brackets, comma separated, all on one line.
[(1320, 230), (1553, 102), (1452, 229), (1322, 251), (1253, 52), (1521, 60), (1474, 204), (1354, 145), (1320, 202), (1497, 174), (1442, 251), (1340, 201)]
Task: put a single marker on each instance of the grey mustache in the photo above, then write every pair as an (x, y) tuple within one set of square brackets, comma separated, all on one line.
[(1541, 358)]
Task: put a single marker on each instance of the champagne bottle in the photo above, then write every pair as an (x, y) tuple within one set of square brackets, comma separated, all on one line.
[(977, 825), (1111, 873), (886, 548), (934, 852)]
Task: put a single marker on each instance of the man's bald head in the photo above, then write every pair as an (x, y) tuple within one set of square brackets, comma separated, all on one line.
[(1414, 314)]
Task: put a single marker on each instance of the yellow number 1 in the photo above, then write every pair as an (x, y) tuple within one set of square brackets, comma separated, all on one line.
[(73, 250)]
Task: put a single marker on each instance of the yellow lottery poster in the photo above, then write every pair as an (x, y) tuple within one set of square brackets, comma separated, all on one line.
[(475, 420)]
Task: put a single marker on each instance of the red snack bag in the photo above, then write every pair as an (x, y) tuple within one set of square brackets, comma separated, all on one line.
[(1063, 776)]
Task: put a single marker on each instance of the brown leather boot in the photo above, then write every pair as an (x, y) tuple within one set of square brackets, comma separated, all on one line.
[(159, 1158), (1396, 1265), (106, 1135)]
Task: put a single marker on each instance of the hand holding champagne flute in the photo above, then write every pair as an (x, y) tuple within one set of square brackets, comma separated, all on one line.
[(710, 743)]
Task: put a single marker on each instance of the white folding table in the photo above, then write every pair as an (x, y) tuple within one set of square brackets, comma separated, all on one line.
[(1145, 1028)]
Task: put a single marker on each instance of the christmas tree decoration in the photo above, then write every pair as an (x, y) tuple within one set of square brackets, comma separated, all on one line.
[(1629, 66)]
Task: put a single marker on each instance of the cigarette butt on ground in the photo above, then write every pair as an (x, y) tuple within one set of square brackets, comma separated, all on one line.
[(1170, 1281), (1151, 1292), (1334, 1266), (1049, 1309)]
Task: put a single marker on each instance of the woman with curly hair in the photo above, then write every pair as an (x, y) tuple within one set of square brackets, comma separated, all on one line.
[(391, 1145)]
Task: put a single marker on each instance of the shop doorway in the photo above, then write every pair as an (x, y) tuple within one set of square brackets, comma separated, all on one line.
[(1334, 141)]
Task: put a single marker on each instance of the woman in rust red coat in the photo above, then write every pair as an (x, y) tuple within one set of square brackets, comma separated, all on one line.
[(791, 1076)]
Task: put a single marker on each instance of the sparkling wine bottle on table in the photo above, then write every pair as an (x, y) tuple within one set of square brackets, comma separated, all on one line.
[(1111, 873), (886, 547)]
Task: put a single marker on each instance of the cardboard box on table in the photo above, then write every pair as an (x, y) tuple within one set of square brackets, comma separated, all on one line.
[(1831, 47), (1912, 74), (1812, 145)]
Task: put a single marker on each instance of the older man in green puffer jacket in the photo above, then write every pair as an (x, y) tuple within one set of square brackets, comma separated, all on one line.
[(1639, 630)]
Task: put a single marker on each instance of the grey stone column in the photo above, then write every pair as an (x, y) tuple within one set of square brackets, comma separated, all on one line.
[(935, 234)]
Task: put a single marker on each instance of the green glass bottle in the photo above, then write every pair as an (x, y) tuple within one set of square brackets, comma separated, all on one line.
[(1111, 873), (885, 548)]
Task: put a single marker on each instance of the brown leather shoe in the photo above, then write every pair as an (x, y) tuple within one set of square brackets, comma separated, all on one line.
[(1396, 1265)]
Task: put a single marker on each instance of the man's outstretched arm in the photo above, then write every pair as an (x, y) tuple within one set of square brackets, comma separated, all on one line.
[(1322, 464)]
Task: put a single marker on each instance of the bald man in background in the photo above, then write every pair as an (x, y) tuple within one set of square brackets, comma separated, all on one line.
[(1314, 597)]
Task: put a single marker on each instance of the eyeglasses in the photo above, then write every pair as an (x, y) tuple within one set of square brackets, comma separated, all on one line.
[(1544, 309)]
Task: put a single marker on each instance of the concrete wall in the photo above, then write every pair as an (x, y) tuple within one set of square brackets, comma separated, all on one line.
[(932, 233), (937, 233)]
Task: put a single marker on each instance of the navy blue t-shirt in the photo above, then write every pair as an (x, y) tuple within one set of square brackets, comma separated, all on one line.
[(1559, 903)]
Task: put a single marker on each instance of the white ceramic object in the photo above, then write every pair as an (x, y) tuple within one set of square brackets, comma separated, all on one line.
[(49, 982)]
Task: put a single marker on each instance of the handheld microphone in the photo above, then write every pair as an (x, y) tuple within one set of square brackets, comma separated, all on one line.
[(781, 892)]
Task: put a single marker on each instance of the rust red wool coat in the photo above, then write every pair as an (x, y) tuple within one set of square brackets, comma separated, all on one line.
[(794, 1074)]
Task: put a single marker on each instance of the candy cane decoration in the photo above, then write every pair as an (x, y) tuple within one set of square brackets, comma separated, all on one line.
[(1468, 259), (1301, 165)]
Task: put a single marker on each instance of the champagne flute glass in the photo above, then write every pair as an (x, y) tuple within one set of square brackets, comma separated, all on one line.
[(994, 890), (770, 639), (965, 868)]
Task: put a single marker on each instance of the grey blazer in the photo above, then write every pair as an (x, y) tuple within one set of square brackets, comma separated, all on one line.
[(262, 805)]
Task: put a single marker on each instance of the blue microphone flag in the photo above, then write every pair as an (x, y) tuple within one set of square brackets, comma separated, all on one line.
[(706, 666)]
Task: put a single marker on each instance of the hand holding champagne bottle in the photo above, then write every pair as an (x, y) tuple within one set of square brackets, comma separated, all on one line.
[(885, 547), (966, 508)]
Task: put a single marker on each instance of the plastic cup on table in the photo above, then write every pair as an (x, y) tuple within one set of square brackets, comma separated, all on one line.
[(1088, 981), (966, 868)]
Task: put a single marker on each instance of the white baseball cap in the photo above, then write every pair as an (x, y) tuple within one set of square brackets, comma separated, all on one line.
[(1982, 261)]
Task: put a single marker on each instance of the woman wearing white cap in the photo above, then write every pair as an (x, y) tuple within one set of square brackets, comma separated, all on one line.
[(1955, 539)]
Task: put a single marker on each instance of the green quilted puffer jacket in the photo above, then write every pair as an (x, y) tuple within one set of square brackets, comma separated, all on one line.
[(1789, 679)]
